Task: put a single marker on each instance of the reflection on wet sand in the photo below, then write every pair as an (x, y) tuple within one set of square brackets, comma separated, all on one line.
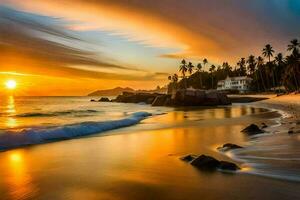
[(19, 181)]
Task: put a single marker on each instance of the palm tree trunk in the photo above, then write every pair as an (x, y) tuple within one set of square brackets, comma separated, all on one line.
[(262, 80), (258, 88), (295, 78)]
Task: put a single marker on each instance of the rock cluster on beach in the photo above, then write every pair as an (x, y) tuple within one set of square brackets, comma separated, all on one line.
[(205, 162), (183, 97)]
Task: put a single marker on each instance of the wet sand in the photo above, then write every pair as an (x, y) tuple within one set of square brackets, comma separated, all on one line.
[(142, 162)]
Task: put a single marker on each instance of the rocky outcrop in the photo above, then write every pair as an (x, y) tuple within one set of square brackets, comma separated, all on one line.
[(130, 97), (209, 163), (104, 99), (229, 147), (252, 130), (188, 97), (199, 98), (162, 100)]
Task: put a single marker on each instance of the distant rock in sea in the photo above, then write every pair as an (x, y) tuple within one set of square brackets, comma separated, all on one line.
[(111, 92)]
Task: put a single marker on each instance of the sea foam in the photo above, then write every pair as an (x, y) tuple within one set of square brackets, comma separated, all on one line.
[(12, 139)]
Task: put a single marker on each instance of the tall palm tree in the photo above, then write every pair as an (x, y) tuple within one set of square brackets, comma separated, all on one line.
[(293, 65), (190, 68), (268, 53), (183, 69), (199, 70), (212, 69), (251, 64), (227, 69), (242, 65), (260, 64), (294, 45), (251, 68), (204, 62)]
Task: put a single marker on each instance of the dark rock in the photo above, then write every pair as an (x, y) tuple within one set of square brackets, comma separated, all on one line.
[(161, 100), (205, 162), (224, 165), (263, 125), (228, 147), (252, 130), (104, 99), (291, 132), (188, 158), (93, 100), (129, 97)]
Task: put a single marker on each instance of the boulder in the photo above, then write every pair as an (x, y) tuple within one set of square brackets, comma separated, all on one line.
[(129, 97), (229, 147), (252, 130), (209, 163), (104, 99), (188, 158), (228, 166), (206, 162), (92, 100)]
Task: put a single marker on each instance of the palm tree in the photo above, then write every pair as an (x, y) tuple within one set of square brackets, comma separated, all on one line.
[(268, 53), (251, 64), (212, 69), (279, 62), (190, 68), (227, 69), (204, 62), (251, 68), (183, 69), (294, 45), (242, 65), (199, 68), (260, 64), (293, 65)]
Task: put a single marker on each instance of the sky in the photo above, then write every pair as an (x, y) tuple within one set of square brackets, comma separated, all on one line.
[(73, 47)]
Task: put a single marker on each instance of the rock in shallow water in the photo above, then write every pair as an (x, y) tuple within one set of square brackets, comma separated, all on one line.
[(229, 147), (228, 166), (252, 130), (188, 158), (206, 162), (209, 163)]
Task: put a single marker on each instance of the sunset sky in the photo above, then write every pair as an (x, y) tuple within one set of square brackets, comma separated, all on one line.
[(72, 47)]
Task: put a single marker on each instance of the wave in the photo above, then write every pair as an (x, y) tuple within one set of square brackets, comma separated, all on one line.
[(13, 139), (54, 114)]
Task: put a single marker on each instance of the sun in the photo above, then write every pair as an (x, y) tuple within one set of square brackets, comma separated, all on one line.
[(11, 84)]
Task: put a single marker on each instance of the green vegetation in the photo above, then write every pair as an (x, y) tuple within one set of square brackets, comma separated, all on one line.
[(275, 72)]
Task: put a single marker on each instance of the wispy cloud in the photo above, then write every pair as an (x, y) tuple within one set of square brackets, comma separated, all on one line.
[(23, 48)]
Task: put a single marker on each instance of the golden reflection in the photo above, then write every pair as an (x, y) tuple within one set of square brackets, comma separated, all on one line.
[(19, 181), (11, 122), (11, 105)]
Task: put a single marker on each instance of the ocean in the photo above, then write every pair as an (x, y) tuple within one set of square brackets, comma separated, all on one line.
[(71, 148)]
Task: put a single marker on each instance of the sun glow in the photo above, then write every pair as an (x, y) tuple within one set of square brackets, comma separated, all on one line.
[(11, 84)]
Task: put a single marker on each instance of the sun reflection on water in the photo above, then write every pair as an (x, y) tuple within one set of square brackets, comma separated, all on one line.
[(11, 122)]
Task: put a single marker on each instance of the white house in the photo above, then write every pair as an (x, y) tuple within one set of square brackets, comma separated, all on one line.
[(240, 83)]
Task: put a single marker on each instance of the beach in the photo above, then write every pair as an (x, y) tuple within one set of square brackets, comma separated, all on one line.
[(143, 161)]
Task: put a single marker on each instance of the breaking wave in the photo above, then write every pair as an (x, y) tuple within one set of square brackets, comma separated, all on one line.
[(13, 139)]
